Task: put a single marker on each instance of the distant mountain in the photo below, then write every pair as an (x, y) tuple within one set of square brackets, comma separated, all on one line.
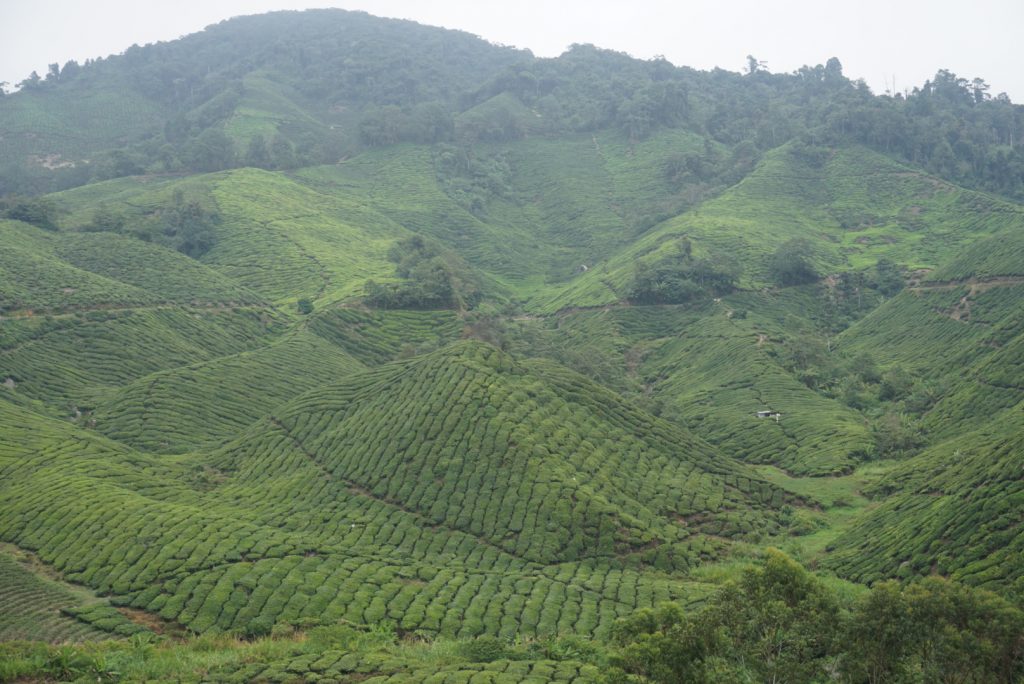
[(291, 89)]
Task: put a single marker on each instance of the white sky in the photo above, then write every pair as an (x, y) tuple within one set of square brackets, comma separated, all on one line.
[(877, 40)]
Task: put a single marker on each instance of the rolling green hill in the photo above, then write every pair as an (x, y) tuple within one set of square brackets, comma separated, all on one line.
[(854, 209), (75, 359), (954, 510), (231, 526), (299, 80), (273, 239), (704, 366), (185, 408), (44, 609), (527, 441)]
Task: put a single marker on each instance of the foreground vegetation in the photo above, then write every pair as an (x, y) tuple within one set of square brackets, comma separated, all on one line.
[(779, 623), (774, 622)]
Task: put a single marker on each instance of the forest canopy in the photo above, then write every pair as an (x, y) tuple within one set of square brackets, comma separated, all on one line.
[(348, 85)]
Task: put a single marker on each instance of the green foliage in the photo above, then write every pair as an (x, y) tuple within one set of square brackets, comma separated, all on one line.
[(189, 226), (199, 102), (374, 336), (660, 645), (257, 154), (69, 361), (431, 279), (777, 623), (202, 103), (211, 554), (472, 180), (335, 653), (680, 277), (952, 408), (934, 630), (992, 257), (887, 277), (39, 211), (38, 608), (89, 271), (425, 122), (106, 219), (750, 221), (896, 436), (288, 241), (257, 627), (172, 439), (206, 403), (791, 263), (702, 365), (780, 623), (484, 649), (431, 481)]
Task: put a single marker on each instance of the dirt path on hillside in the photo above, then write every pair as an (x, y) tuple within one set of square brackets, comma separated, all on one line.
[(212, 307), (961, 311), (975, 284)]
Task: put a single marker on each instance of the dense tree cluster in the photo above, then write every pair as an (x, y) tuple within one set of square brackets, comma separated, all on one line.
[(680, 277), (41, 212), (791, 263), (189, 226), (431, 278), (472, 178), (186, 224), (779, 623)]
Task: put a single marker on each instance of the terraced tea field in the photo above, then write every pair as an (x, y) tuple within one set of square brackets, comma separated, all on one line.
[(186, 408), (944, 510), (69, 362), (339, 364), (374, 337), (784, 199), (367, 466), (43, 609), (271, 528)]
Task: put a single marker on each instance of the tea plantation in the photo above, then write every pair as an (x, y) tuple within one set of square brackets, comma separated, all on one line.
[(384, 354)]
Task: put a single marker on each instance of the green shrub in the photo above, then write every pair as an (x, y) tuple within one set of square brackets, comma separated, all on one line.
[(484, 649)]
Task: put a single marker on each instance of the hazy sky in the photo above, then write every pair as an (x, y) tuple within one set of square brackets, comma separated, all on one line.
[(877, 40)]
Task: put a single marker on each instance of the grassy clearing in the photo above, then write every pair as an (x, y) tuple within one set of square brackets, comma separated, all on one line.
[(335, 653), (843, 502)]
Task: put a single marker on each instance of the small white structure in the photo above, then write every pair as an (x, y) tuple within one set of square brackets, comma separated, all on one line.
[(769, 414)]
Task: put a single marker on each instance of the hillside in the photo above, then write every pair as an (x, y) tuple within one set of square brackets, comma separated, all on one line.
[(853, 208), (229, 524), (951, 509)]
